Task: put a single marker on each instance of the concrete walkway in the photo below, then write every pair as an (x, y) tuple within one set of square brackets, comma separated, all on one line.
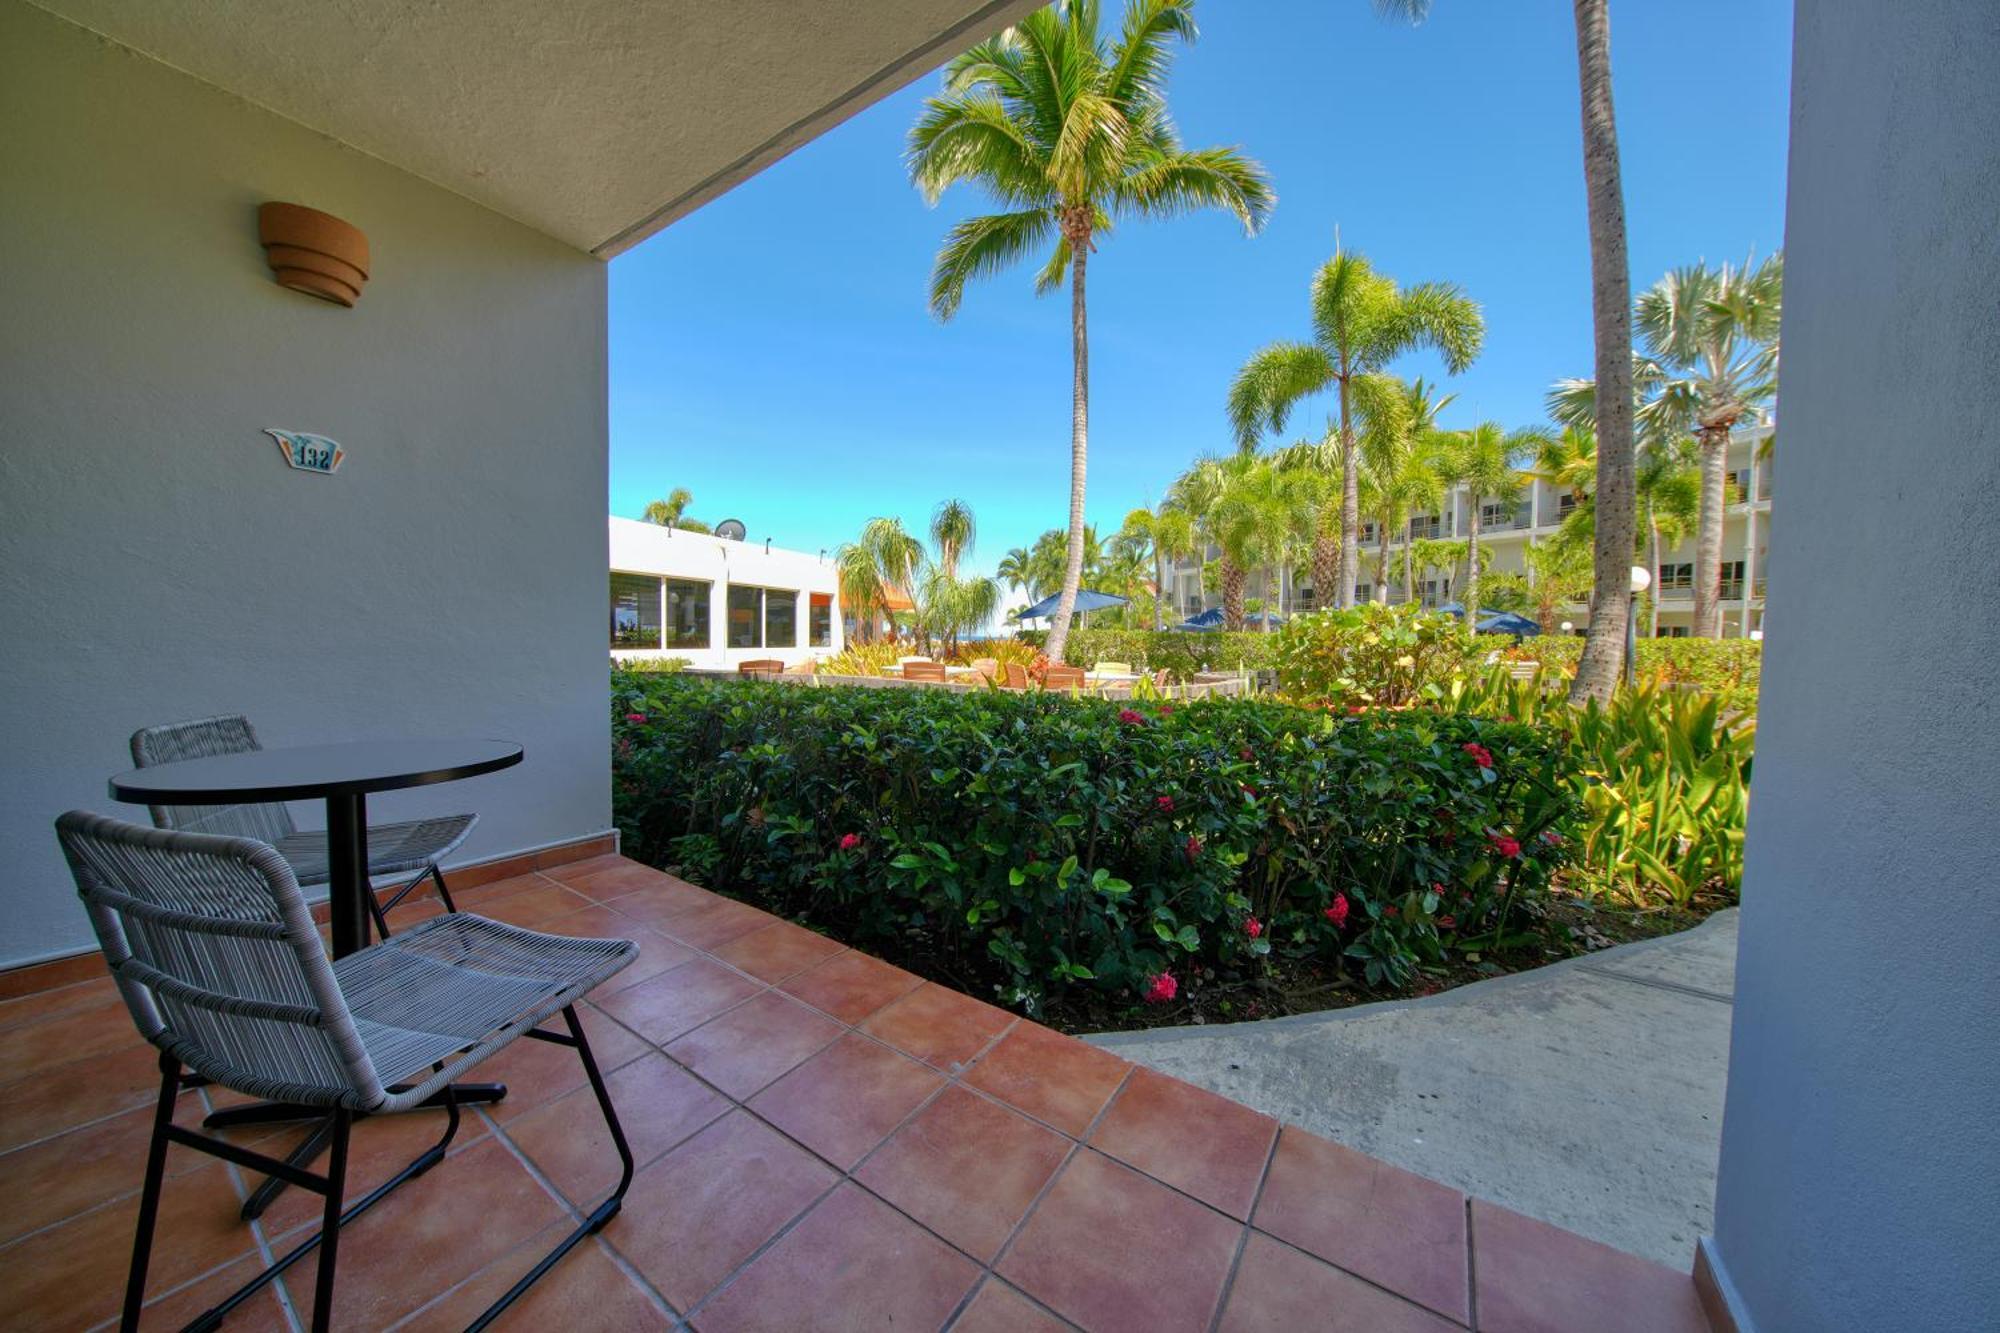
[(1587, 1093)]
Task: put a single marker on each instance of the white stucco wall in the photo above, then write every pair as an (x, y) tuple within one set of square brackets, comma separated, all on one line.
[(647, 548), (1860, 1171), (157, 559)]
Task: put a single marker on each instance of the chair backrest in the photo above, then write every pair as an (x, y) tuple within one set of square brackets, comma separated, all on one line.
[(1163, 678), (1016, 677), (760, 666), (218, 960), (1063, 678), (931, 671), (905, 661), (1114, 668), (204, 738), (988, 667)]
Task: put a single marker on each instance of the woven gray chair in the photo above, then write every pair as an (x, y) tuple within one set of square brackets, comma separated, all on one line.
[(217, 958), (393, 849)]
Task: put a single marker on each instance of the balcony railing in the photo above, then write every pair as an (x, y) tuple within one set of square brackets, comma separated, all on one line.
[(1500, 518), (1429, 529)]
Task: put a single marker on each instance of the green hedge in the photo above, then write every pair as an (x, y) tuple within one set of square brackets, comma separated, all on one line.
[(1027, 842), (1730, 669), (1372, 655), (1181, 653)]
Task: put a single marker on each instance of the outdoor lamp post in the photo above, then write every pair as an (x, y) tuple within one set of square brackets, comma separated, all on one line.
[(1642, 579)]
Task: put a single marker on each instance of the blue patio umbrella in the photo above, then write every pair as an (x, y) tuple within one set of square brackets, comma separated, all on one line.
[(1508, 622), (1211, 619), (1087, 599)]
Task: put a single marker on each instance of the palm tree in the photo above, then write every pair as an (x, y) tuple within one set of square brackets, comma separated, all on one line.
[(1014, 570), (1485, 461), (1361, 322), (1561, 565), (1713, 334), (952, 532), (672, 511), (1400, 442), (1568, 460), (884, 557), (1163, 534), (1068, 133), (1611, 312)]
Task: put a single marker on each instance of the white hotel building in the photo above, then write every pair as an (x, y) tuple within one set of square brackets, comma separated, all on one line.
[(716, 601), (1506, 532)]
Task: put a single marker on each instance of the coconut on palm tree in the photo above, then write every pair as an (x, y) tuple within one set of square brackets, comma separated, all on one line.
[(1069, 133), (1361, 321), (672, 511), (1611, 319)]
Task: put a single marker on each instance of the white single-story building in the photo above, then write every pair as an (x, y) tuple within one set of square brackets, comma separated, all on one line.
[(717, 601)]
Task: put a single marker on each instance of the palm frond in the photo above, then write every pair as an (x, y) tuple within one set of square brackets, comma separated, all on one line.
[(1139, 61), (1440, 315), (972, 138), (1206, 178), (981, 246), (1271, 382)]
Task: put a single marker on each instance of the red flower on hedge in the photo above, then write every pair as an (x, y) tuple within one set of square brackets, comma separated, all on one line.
[(1253, 927), (1480, 754), (1552, 838), (1166, 710), (1245, 754), (1248, 790), (1337, 911), (1354, 710), (1193, 847), (1447, 923), (1166, 804), (1392, 911), (849, 841), (1504, 845), (635, 718), (1162, 988), (1130, 718)]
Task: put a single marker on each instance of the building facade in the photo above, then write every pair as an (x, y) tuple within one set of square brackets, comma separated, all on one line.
[(718, 602)]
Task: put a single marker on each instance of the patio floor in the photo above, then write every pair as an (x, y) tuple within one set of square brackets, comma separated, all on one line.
[(824, 1142)]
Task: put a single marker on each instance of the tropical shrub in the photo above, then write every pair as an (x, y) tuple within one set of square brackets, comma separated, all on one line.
[(1028, 843), (1385, 656), (1663, 776), (868, 659), (666, 666), (1182, 653), (1727, 668)]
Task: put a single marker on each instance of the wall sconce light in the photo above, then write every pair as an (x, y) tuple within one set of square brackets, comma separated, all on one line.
[(313, 252)]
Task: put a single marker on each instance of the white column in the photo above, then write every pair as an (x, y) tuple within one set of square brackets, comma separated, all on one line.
[(1859, 1182)]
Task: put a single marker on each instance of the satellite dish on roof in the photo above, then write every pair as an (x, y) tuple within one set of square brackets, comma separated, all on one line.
[(731, 529)]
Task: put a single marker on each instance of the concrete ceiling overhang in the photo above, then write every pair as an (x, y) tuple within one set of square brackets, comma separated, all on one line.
[(596, 122)]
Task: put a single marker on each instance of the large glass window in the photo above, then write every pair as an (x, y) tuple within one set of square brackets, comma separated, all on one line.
[(781, 618), (635, 611), (746, 617), (820, 623), (687, 614)]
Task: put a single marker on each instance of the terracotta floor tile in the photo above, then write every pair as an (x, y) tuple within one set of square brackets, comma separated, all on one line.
[(529, 907), (714, 924), (941, 1027), (657, 953), (1196, 1141), (378, 1148), (571, 871), (585, 1290), (633, 877), (64, 1096), (777, 951), (100, 993), (854, 1263), (1054, 1078), (657, 904), (1279, 1290), (967, 1168), (73, 1172), (998, 1308), (482, 898), (432, 1233), (755, 1043), (1115, 1251), (1394, 1228), (1538, 1278), (694, 1216), (852, 985), (73, 1275), (177, 1309), (658, 1103), (33, 1047), (847, 1099), (539, 1071), (679, 999)]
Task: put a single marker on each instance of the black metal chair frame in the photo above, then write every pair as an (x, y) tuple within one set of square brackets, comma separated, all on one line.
[(333, 1185)]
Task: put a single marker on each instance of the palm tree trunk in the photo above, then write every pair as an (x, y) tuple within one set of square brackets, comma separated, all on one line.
[(1653, 555), (1708, 540), (1326, 563), (1382, 559), (1233, 580), (1611, 311), (1410, 597), (1159, 584), (1079, 439), (1350, 499), (1472, 567)]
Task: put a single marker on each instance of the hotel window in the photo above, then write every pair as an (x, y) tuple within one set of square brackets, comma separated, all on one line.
[(761, 618), (635, 611), (1679, 577), (687, 614), (819, 624), (781, 619), (1732, 580)]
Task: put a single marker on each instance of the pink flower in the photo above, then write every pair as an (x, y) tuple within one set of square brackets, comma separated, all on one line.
[(1552, 838), (1193, 847), (1162, 988), (1480, 754), (1131, 718), (1447, 922), (1166, 804), (635, 718), (1253, 927), (1245, 754), (1392, 911), (1504, 845), (1337, 912), (1166, 710), (849, 841)]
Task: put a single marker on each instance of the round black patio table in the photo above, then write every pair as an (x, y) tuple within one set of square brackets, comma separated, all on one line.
[(342, 775)]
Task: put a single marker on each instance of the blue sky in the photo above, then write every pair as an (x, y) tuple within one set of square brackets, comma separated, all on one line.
[(774, 354)]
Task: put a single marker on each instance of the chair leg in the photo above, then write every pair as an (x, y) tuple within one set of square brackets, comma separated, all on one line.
[(605, 1211), (149, 1197), (329, 1245), (443, 892)]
